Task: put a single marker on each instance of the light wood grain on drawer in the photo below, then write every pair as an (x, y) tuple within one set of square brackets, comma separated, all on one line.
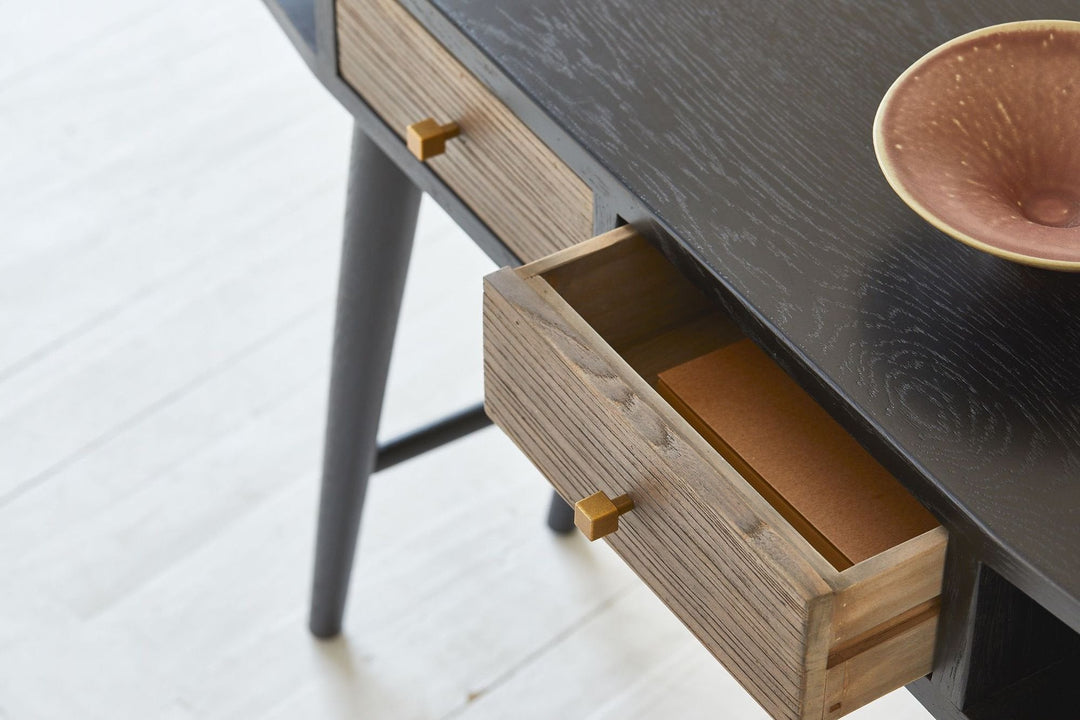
[(573, 346), (513, 182)]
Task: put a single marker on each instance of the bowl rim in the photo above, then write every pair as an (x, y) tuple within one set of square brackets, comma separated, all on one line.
[(1072, 26)]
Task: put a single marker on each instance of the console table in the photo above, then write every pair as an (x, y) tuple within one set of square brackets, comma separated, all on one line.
[(721, 153)]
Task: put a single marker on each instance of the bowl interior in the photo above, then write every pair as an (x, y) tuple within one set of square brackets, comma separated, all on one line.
[(982, 138)]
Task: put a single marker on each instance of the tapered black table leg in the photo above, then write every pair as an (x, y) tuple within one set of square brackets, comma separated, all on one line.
[(560, 515), (380, 219)]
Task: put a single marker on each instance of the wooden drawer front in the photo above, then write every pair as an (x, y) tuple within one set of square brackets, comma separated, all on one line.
[(511, 180), (572, 387)]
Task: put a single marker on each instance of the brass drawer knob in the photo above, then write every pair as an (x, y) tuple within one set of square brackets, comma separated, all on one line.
[(427, 138), (598, 515)]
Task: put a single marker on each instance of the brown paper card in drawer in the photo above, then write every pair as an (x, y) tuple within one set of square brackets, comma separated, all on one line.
[(801, 460)]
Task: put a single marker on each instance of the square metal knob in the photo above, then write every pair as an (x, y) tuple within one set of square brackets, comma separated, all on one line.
[(598, 515), (427, 138)]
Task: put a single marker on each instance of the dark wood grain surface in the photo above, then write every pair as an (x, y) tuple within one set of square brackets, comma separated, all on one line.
[(744, 129)]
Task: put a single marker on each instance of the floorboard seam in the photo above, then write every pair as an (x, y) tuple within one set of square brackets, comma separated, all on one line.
[(540, 651), (156, 406)]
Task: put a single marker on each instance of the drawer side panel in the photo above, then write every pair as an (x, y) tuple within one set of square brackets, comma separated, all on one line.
[(882, 588), (889, 665)]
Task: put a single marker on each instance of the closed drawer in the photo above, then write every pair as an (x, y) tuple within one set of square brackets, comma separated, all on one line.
[(513, 182), (573, 346)]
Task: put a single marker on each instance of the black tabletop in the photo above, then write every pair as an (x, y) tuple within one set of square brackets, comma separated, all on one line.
[(745, 129)]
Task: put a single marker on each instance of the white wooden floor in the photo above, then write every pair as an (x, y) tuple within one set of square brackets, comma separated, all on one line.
[(171, 184)]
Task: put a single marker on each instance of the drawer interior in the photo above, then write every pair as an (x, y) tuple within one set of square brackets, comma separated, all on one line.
[(642, 306), (657, 320)]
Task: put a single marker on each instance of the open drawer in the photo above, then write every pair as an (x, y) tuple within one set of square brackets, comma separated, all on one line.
[(573, 347)]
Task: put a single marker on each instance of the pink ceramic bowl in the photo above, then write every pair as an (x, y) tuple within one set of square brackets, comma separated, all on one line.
[(981, 137)]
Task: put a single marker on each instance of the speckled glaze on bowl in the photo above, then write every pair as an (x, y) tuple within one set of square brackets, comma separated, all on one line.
[(981, 137)]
